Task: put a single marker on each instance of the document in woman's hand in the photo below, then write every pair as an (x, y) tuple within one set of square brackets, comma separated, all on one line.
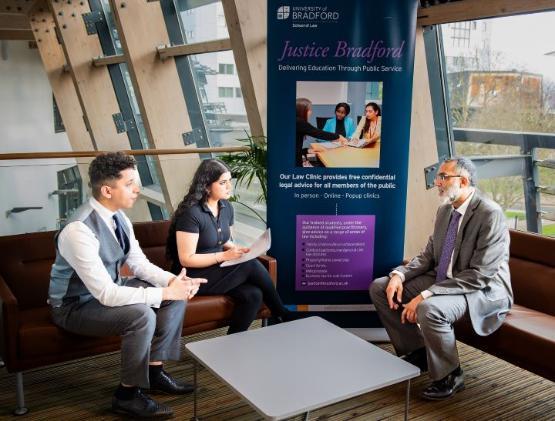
[(260, 246)]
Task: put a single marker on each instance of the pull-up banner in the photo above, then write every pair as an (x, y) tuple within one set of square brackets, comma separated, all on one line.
[(339, 106)]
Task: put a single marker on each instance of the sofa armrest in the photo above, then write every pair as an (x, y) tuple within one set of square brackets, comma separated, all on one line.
[(9, 315), (270, 263)]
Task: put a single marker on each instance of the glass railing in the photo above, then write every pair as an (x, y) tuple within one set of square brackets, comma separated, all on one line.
[(41, 194)]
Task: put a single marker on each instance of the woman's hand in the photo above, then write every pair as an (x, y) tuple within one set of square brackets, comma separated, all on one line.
[(234, 253), (342, 140)]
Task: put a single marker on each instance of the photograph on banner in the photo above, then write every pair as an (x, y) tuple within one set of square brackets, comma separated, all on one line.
[(336, 126)]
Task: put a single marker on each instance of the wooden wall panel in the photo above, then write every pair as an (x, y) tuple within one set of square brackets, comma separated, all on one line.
[(94, 86), (53, 60), (158, 90), (421, 203)]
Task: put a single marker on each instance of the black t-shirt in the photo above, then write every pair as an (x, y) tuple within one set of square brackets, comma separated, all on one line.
[(213, 233), (340, 127)]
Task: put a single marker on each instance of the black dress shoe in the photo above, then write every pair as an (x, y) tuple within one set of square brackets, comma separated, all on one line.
[(141, 406), (164, 383), (417, 358), (446, 387)]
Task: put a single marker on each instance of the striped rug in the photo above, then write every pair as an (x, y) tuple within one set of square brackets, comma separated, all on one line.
[(82, 390)]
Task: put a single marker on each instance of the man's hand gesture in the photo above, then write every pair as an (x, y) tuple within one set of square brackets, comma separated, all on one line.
[(181, 287), (394, 290)]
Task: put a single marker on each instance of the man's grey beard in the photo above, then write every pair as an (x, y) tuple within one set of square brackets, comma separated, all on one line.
[(450, 195)]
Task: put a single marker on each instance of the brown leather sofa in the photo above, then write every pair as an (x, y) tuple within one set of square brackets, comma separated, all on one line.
[(527, 338), (28, 337)]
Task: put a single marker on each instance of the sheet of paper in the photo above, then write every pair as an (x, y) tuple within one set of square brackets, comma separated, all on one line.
[(260, 246), (329, 145), (357, 143)]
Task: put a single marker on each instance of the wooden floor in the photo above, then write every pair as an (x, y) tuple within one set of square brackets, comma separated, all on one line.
[(82, 390)]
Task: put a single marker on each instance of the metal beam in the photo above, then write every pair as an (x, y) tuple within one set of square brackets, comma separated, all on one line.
[(499, 137), (546, 163), (167, 51), (479, 9), (500, 165)]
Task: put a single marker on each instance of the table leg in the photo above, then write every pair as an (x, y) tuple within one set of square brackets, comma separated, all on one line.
[(306, 415), (407, 398), (195, 385)]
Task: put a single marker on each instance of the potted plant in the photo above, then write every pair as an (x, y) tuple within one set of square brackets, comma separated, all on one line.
[(249, 165)]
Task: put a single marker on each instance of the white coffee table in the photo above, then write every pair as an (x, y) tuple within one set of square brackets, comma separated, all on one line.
[(293, 368)]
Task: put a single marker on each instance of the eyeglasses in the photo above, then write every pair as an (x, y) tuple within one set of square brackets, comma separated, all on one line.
[(442, 176)]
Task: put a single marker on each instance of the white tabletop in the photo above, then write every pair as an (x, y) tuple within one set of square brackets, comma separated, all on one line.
[(294, 367)]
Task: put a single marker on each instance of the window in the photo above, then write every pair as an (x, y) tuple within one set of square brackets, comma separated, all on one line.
[(501, 84), (226, 69), (201, 20), (225, 92), (238, 93)]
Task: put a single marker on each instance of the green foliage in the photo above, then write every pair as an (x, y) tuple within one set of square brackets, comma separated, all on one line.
[(549, 230), (249, 165)]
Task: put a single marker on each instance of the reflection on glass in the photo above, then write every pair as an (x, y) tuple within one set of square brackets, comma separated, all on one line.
[(202, 20), (500, 74), (501, 91), (546, 177), (220, 97), (49, 191)]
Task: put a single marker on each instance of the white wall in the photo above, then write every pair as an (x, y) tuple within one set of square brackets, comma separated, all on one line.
[(27, 125), (322, 92)]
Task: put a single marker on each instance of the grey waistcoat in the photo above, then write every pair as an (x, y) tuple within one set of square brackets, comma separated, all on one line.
[(65, 284)]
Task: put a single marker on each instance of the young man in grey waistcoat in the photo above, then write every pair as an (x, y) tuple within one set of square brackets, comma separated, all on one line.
[(462, 273), (88, 295)]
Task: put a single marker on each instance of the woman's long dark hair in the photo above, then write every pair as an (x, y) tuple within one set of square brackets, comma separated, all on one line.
[(208, 172), (378, 112)]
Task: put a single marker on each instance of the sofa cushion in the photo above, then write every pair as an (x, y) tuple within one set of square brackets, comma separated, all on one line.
[(541, 296), (39, 336), (526, 339)]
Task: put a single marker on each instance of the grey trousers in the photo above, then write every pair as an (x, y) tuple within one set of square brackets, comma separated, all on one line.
[(147, 334), (434, 327)]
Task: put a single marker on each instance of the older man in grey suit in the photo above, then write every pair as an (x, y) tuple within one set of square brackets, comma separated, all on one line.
[(462, 273)]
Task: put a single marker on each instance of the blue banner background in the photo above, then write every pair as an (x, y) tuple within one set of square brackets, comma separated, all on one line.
[(357, 22)]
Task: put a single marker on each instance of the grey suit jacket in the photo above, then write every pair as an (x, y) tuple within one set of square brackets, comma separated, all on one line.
[(480, 262)]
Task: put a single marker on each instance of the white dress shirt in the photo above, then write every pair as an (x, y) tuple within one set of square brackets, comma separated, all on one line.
[(79, 247), (462, 210)]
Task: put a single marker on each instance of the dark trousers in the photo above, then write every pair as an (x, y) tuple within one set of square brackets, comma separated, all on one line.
[(249, 284), (147, 334)]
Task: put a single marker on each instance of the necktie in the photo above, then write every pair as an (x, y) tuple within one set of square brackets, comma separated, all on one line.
[(448, 246), (120, 235)]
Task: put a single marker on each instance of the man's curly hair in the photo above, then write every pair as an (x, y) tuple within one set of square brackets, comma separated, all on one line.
[(108, 167)]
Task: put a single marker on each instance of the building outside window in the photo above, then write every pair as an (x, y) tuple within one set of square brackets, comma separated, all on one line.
[(226, 69), (219, 92), (501, 86)]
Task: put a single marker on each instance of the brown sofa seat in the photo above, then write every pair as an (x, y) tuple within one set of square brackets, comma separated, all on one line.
[(29, 339), (527, 337)]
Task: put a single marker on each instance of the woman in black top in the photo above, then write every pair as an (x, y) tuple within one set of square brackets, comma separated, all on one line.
[(304, 128), (199, 239)]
